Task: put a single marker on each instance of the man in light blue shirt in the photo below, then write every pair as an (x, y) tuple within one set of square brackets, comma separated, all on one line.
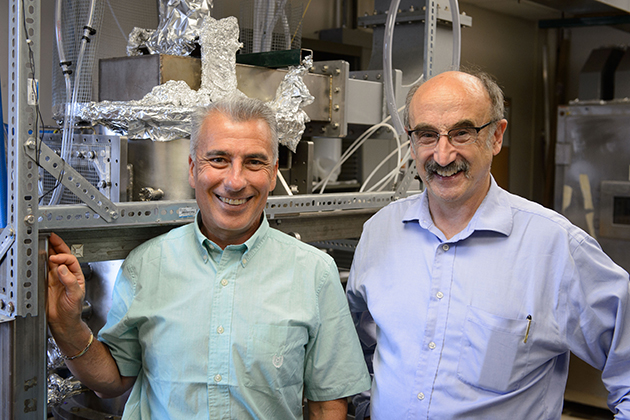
[(468, 299), (224, 318)]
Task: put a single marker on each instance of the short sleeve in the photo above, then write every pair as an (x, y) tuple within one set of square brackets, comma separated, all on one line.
[(334, 366), (118, 333)]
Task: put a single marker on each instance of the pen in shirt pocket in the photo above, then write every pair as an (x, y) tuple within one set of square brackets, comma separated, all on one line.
[(529, 324)]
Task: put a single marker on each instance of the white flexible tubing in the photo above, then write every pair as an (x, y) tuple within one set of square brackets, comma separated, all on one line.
[(457, 34), (383, 162), (65, 131), (65, 151), (284, 183), (279, 12), (353, 148), (347, 153), (388, 84), (393, 173)]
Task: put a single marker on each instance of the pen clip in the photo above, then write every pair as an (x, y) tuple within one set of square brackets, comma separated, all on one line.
[(529, 324)]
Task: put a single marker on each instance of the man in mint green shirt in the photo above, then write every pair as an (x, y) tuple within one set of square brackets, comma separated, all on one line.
[(224, 318)]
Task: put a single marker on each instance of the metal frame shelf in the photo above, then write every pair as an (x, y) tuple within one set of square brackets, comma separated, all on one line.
[(100, 229)]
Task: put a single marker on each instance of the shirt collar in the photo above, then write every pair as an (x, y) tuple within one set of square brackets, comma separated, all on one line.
[(494, 213), (248, 248)]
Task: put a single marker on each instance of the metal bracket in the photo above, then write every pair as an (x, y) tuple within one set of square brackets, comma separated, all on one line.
[(7, 237), (71, 179), (338, 71), (412, 172)]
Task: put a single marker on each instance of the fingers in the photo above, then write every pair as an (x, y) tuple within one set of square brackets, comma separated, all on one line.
[(58, 246), (69, 280), (60, 254)]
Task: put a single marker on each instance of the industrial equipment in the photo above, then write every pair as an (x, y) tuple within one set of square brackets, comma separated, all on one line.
[(118, 174)]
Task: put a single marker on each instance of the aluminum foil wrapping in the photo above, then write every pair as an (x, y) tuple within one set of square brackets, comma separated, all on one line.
[(179, 27), (219, 44), (138, 39), (60, 389), (164, 114), (291, 96)]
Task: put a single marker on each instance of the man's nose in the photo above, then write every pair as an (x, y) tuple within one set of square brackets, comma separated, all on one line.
[(444, 152), (235, 178)]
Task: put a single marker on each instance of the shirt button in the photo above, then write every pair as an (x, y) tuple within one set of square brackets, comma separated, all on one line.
[(244, 261), (220, 330), (421, 396), (217, 378), (445, 247), (224, 282), (439, 295), (431, 345)]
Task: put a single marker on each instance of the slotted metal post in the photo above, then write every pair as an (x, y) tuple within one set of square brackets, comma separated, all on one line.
[(22, 288)]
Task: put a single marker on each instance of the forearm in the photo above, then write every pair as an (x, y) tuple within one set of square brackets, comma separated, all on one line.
[(328, 410), (96, 368)]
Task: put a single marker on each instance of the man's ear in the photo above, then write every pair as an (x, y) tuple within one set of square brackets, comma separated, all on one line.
[(497, 137), (275, 176), (191, 172)]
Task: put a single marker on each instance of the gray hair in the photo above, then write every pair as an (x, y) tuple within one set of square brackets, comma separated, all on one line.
[(497, 101), (237, 109)]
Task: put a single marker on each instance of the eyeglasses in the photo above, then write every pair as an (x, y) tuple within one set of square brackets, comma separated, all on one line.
[(460, 136)]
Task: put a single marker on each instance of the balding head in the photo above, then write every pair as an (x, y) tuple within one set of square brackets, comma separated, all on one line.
[(476, 83)]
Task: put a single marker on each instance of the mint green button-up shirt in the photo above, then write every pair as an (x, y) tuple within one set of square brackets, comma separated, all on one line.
[(238, 333)]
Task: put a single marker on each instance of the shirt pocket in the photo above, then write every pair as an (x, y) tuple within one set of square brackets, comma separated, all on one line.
[(493, 355), (275, 357)]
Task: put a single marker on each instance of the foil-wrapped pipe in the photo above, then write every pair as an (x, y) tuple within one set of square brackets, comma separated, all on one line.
[(179, 27), (291, 96)]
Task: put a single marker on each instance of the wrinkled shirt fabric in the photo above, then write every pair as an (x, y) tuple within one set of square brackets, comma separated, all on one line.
[(480, 326)]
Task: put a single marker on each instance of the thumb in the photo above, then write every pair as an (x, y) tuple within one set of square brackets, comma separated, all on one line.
[(68, 279)]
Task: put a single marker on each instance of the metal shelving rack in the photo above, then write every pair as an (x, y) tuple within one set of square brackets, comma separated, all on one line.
[(99, 229)]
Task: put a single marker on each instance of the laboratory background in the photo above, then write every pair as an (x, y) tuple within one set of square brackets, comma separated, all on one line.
[(97, 95)]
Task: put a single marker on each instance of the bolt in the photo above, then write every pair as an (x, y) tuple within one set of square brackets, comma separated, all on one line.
[(30, 144), (335, 125), (323, 129), (411, 9), (378, 76), (10, 308), (324, 69), (337, 90), (30, 219), (337, 71), (336, 107), (365, 77), (113, 214)]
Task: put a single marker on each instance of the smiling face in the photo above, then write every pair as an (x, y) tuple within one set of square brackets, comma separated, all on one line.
[(455, 177), (232, 174)]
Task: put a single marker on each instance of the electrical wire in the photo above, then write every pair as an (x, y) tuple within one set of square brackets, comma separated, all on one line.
[(284, 183), (301, 20), (399, 163), (350, 151)]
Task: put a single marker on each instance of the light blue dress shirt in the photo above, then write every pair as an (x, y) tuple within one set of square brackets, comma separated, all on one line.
[(240, 333), (480, 326)]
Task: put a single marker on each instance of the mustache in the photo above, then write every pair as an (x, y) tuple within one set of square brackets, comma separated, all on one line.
[(432, 168)]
